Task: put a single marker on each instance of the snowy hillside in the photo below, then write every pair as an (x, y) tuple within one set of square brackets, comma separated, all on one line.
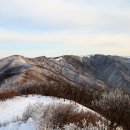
[(11, 111), (13, 108)]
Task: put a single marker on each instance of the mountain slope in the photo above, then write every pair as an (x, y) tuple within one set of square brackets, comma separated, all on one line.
[(99, 71), (12, 111), (113, 70)]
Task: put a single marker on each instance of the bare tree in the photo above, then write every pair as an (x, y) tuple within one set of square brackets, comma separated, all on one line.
[(115, 105)]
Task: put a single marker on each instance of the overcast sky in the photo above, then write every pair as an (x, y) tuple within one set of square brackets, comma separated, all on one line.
[(58, 27)]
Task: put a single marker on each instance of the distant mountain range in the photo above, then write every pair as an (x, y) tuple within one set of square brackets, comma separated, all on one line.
[(99, 71)]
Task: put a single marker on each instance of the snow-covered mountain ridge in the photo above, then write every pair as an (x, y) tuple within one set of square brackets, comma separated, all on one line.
[(96, 70)]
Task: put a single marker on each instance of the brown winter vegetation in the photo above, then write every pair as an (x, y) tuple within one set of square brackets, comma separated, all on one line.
[(59, 115), (119, 107), (115, 106), (118, 112), (82, 95), (65, 114), (7, 95)]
